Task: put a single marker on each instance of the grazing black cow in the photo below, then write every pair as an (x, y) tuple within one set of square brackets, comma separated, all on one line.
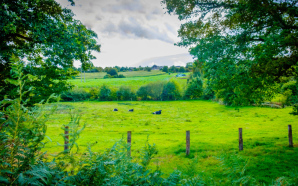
[(115, 109), (157, 112), (130, 110)]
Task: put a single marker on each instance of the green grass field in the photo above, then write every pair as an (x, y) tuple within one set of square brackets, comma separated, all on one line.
[(133, 79), (213, 132)]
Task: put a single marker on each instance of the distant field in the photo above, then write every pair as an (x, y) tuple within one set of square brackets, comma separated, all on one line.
[(213, 130), (134, 79)]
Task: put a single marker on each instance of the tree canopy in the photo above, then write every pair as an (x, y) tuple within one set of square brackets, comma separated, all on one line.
[(244, 47), (46, 37)]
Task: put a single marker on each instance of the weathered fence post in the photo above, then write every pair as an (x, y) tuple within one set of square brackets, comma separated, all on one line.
[(240, 139), (290, 136), (187, 142), (129, 143), (66, 138)]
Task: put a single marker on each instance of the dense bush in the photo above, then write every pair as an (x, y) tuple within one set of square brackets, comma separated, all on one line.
[(151, 91), (107, 76), (290, 91), (75, 95), (143, 92), (120, 76), (171, 91), (94, 93), (112, 72), (105, 93), (125, 93), (194, 89)]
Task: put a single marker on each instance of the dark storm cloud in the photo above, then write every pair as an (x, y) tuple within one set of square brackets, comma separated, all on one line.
[(133, 28)]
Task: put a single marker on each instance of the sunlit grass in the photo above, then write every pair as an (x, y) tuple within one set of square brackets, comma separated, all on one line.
[(213, 129), (133, 79)]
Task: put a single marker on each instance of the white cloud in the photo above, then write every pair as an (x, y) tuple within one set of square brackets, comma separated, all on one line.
[(129, 31)]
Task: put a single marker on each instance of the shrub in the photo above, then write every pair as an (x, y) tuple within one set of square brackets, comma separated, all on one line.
[(194, 89), (124, 93), (94, 92), (75, 95), (112, 72), (155, 90), (171, 91), (120, 76), (290, 92), (107, 76), (143, 92), (104, 93)]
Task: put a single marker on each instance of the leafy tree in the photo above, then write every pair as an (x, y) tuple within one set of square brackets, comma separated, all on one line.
[(245, 47), (173, 69), (171, 91), (147, 69), (165, 69), (125, 93), (182, 69), (143, 92), (194, 89), (155, 90), (48, 38), (104, 93), (113, 72)]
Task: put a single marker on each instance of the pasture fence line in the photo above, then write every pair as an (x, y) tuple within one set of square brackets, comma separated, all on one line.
[(66, 140)]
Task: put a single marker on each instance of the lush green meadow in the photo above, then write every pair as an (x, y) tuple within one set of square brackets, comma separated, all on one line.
[(134, 79), (213, 130)]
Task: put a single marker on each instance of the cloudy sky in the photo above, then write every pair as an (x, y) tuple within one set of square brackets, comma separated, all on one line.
[(131, 32)]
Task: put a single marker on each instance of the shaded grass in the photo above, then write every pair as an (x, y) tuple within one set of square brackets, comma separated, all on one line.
[(213, 132)]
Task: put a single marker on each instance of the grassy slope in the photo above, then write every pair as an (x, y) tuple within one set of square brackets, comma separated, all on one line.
[(133, 79), (213, 129)]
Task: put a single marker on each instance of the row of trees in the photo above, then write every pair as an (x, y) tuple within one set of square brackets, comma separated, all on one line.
[(172, 69), (160, 90)]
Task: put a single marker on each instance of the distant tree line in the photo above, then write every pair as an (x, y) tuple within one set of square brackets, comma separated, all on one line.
[(171, 69), (158, 91)]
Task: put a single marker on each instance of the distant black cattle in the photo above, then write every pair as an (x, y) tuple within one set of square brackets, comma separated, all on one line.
[(130, 110), (157, 112), (115, 109)]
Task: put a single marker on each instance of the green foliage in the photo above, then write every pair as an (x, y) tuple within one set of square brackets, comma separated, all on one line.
[(151, 91), (120, 76), (94, 92), (112, 72), (125, 93), (171, 91), (290, 91), (75, 95), (143, 92), (105, 93), (46, 36), (147, 69), (22, 129), (107, 76), (165, 69), (243, 47), (194, 89)]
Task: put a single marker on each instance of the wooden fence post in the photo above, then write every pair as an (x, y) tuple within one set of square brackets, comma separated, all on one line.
[(66, 138), (290, 136), (187, 142), (240, 139), (129, 143)]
